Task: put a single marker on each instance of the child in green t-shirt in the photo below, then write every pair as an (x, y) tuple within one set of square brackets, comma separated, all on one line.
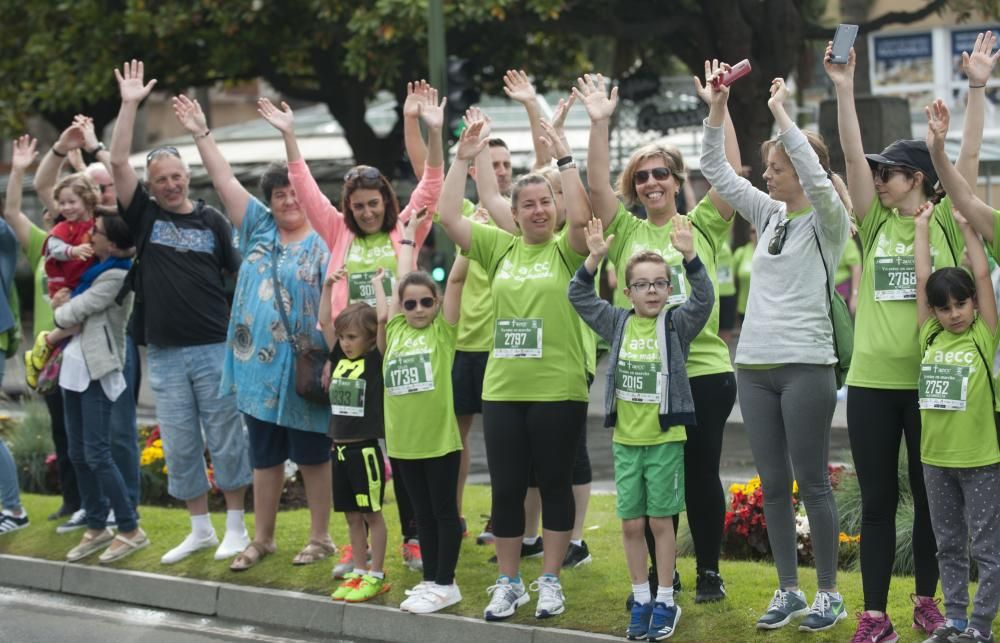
[(959, 439), (417, 333), (648, 402)]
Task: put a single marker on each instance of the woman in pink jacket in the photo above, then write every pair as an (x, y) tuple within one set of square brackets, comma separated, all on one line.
[(366, 235)]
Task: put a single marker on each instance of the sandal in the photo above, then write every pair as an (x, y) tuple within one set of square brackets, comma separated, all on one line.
[(130, 545), (314, 551), (253, 554)]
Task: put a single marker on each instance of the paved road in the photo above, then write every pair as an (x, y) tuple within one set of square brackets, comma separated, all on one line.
[(39, 617)]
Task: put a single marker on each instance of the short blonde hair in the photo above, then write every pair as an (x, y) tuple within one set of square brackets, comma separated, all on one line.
[(83, 186), (672, 158)]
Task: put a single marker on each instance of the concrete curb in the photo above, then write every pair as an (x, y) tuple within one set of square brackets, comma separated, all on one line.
[(270, 607)]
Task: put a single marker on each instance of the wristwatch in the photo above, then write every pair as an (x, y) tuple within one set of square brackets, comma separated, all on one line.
[(100, 146)]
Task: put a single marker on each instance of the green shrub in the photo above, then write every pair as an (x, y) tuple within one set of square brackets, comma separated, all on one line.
[(30, 443)]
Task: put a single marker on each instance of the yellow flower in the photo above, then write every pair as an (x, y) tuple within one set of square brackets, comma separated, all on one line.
[(795, 487), (164, 469), (848, 539), (735, 487)]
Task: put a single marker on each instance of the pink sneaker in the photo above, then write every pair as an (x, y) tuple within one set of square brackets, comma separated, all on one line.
[(926, 614), (874, 629)]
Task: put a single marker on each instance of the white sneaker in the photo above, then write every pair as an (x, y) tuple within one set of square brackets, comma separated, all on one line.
[(188, 546), (505, 598), (550, 597), (435, 597), (77, 521), (413, 595), (233, 543)]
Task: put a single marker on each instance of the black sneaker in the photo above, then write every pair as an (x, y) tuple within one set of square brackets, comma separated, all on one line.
[(677, 582), (972, 635), (77, 521), (709, 587), (9, 522), (486, 537), (527, 551), (62, 512), (577, 555)]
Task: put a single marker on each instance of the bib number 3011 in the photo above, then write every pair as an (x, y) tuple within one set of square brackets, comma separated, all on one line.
[(943, 387), (409, 374), (517, 338)]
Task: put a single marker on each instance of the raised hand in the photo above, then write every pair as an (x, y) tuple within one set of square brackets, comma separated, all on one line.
[(24, 153), (681, 237), (779, 93), (978, 65), (596, 243), (471, 142), (416, 95), (518, 87), (130, 82), (590, 91), (411, 225), (555, 141), (839, 74), (334, 277), (71, 138), (86, 126), (282, 119), (561, 112), (474, 114), (431, 112), (378, 276), (938, 120), (189, 114), (923, 216), (481, 215), (710, 92)]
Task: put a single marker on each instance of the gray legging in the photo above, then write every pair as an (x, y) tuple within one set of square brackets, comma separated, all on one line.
[(787, 412)]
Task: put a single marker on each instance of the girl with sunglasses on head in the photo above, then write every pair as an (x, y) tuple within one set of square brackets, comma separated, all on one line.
[(888, 189), (785, 359), (535, 390), (416, 335), (653, 177)]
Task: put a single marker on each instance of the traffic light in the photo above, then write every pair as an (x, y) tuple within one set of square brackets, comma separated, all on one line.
[(463, 93)]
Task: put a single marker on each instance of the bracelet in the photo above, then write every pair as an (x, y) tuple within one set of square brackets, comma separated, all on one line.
[(206, 133), (566, 160), (57, 152), (971, 86), (567, 166), (408, 242)]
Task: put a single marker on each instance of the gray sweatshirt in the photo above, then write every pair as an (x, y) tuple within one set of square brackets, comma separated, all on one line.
[(676, 328), (788, 309)]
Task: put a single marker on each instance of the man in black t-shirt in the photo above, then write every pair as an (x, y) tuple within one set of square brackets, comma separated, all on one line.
[(185, 248)]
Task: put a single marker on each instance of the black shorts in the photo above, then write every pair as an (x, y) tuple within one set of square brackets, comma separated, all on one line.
[(467, 373), (358, 477), (727, 312)]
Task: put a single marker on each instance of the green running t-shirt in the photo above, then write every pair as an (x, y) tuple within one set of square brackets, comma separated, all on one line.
[(364, 257), (475, 326)]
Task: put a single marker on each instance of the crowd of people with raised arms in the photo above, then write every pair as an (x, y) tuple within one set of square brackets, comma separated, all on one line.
[(339, 354)]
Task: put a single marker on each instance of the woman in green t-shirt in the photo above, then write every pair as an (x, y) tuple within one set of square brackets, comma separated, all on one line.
[(887, 190), (535, 390), (653, 177)]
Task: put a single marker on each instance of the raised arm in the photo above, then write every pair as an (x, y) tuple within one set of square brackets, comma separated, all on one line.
[(457, 227), (732, 145), (24, 154), (578, 209), (326, 320), (487, 188), (383, 304), (519, 88), (963, 197), (47, 174), (452, 308), (986, 302), (234, 196), (416, 149), (91, 143), (600, 107), (594, 311), (922, 261), (133, 91), (978, 67), (859, 173), (432, 114)]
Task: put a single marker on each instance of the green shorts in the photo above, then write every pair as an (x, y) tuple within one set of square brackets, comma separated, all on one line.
[(649, 480)]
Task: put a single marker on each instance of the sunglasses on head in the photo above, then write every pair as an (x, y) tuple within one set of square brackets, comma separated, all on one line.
[(364, 173), (777, 241), (659, 173), (425, 302), (884, 172), (163, 150), (645, 286)]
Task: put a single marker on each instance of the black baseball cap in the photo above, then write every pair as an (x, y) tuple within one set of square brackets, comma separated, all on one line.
[(909, 153)]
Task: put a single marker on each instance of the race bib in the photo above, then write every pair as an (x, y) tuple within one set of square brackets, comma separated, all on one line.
[(360, 287), (637, 381), (943, 387), (409, 374), (895, 278), (723, 275), (680, 292), (347, 397), (517, 338)]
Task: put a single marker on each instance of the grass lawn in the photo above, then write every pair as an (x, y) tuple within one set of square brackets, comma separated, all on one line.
[(595, 593)]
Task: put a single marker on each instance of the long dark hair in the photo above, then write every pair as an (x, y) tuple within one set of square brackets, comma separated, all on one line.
[(949, 283), (367, 177)]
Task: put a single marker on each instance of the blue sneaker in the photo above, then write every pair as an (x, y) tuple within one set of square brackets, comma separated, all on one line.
[(783, 607), (638, 626), (827, 610), (664, 621)]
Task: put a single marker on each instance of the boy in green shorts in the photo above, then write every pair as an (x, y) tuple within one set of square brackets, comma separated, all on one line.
[(648, 402)]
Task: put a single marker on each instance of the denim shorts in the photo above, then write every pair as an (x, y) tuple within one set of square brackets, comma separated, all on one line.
[(272, 444), (192, 415)]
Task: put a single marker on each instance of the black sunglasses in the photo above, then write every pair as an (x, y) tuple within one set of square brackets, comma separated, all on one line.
[(365, 173), (646, 286), (163, 150), (777, 241), (411, 304), (884, 172), (659, 173)]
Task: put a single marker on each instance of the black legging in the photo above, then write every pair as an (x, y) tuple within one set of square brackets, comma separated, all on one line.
[(407, 517), (876, 420), (714, 397), (67, 475), (525, 436), (431, 483)]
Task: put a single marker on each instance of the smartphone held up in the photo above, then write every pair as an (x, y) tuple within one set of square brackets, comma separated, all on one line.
[(737, 71), (843, 40)]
